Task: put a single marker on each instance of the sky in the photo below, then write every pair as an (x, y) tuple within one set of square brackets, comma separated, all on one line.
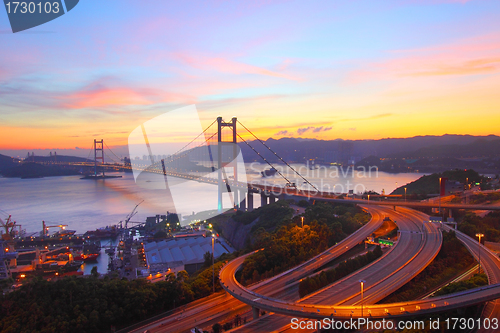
[(313, 69)]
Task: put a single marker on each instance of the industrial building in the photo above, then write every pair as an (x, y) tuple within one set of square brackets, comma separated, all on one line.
[(188, 250)]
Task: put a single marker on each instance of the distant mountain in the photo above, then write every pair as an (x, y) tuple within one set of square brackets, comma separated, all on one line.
[(478, 148), (7, 162), (57, 158), (35, 170), (344, 151)]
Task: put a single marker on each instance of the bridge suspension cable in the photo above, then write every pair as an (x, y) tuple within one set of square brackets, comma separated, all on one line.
[(188, 151), (282, 160), (206, 129), (112, 152), (90, 152), (263, 158)]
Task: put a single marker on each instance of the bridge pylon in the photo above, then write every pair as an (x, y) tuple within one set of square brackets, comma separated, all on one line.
[(223, 186), (98, 155)]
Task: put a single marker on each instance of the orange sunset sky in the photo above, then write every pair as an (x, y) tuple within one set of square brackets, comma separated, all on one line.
[(320, 69)]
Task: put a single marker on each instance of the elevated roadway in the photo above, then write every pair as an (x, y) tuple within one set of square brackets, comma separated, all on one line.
[(490, 263), (222, 306), (381, 311), (419, 243)]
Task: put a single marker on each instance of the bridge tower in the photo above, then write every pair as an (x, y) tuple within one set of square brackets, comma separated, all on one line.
[(224, 186), (98, 155)]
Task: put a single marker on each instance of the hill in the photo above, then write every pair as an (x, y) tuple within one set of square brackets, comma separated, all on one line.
[(35, 170), (430, 184), (7, 162)]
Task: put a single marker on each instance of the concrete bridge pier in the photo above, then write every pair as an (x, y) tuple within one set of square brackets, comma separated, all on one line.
[(255, 312), (250, 201), (263, 199), (236, 201), (243, 203), (272, 198)]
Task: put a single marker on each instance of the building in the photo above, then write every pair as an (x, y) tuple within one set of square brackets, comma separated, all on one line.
[(189, 250)]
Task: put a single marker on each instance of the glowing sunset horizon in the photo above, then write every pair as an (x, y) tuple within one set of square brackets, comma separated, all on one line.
[(323, 70)]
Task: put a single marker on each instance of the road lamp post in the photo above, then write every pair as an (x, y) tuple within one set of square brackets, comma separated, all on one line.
[(302, 219), (362, 282), (479, 250), (440, 196), (213, 266), (405, 194)]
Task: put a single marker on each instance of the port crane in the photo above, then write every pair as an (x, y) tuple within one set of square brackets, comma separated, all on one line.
[(129, 216), (9, 227), (8, 255), (45, 231)]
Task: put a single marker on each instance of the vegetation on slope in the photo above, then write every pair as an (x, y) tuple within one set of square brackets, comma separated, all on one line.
[(430, 184), (489, 225), (478, 280), (311, 284), (90, 304), (289, 244)]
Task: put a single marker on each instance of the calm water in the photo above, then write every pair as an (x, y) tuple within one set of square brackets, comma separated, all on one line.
[(87, 204)]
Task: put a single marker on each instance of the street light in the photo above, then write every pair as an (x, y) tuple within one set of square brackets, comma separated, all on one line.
[(302, 219), (213, 267), (362, 282), (440, 196), (479, 250), (405, 194)]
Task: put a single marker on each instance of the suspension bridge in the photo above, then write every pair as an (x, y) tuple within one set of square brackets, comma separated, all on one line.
[(212, 158)]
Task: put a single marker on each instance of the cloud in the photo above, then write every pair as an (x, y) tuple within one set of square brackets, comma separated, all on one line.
[(102, 95), (301, 131), (469, 56), (285, 132), (228, 66), (469, 67), (352, 128)]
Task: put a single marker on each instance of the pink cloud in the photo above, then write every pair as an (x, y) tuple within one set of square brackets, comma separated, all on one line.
[(472, 56), (225, 65), (106, 97)]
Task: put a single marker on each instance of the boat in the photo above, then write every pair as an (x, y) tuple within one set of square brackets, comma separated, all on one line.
[(87, 257), (107, 232), (269, 172), (50, 267)]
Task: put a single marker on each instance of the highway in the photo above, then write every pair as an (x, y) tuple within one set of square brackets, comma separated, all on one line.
[(394, 310), (418, 245), (219, 308), (490, 264)]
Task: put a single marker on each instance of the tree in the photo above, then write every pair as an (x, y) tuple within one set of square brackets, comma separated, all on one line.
[(303, 203), (237, 320), (94, 272), (207, 257), (217, 328), (182, 276)]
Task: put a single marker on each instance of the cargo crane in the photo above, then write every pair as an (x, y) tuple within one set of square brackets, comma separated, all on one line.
[(45, 231), (8, 255), (8, 226), (129, 216)]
